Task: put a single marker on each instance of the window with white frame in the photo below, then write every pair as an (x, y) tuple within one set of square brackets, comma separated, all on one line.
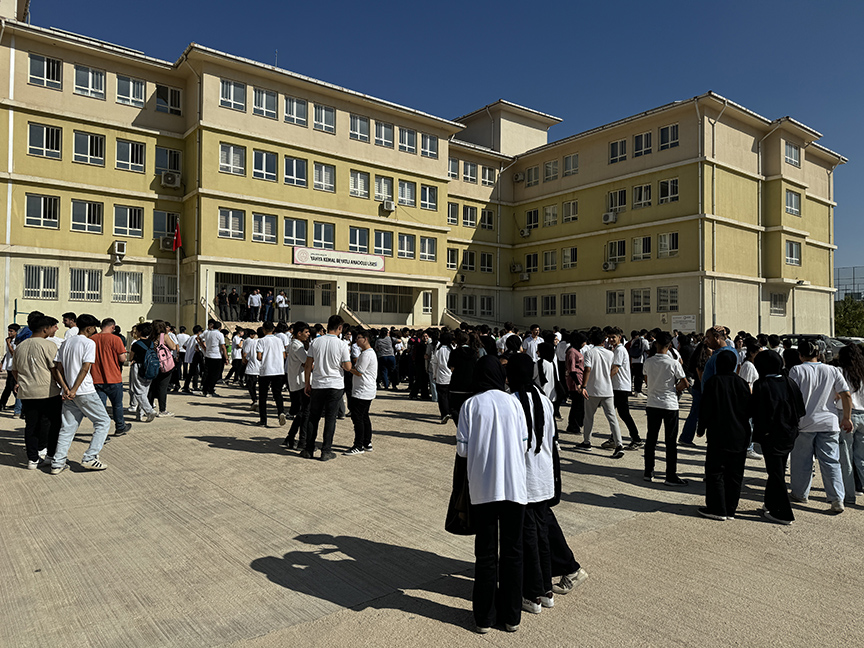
[(407, 140), (359, 184), (232, 223), (383, 188), (550, 260), (263, 228), (778, 304), (640, 300), (616, 251), (570, 211), (358, 240), (130, 91), (616, 201), (667, 299), (90, 148), (793, 253), (452, 213), (429, 146), (407, 193), (295, 232), (549, 305), (89, 82), (641, 144), (668, 191), (406, 246), (568, 304), (44, 141), (529, 306), (452, 258), (614, 302), (264, 103), (793, 157), (325, 177), (469, 216), (532, 176), (383, 134), (486, 261), (167, 160), (87, 216), (359, 128), (46, 72), (617, 151), (130, 156), (264, 165), (40, 282), (667, 245), (428, 197), (295, 171), (469, 304), (531, 262), (427, 302), (127, 287), (164, 289), (571, 164), (42, 211), (128, 221), (487, 219), (232, 159), (532, 219), (550, 215), (641, 196), (550, 170), (324, 236), (469, 172), (641, 248), (296, 111), (793, 202), (487, 176), (568, 258), (668, 137), (428, 248), (324, 118), (487, 305), (164, 223), (453, 168), (85, 285), (469, 260), (232, 95), (452, 302), (168, 100)]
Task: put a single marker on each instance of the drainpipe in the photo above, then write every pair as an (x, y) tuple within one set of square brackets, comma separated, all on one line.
[(198, 193), (759, 220), (714, 209), (501, 170), (701, 226)]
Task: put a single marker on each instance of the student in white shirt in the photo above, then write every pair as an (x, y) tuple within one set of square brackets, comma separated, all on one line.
[(236, 358), (597, 390), (294, 369), (271, 354), (69, 321), (441, 373), (212, 343), (622, 387), (363, 390), (251, 366), (851, 363), (193, 361), (531, 342)]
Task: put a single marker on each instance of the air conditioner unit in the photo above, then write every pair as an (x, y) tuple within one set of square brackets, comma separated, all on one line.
[(609, 266), (524, 232), (170, 179), (609, 217), (518, 177), (119, 248), (515, 267), (388, 206), (166, 243), (525, 276)]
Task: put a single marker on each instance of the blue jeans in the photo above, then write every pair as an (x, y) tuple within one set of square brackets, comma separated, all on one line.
[(688, 433), (825, 446), (74, 411), (387, 365), (433, 388), (114, 393), (852, 454)]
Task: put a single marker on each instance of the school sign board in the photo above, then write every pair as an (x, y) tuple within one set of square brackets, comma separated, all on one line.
[(337, 259)]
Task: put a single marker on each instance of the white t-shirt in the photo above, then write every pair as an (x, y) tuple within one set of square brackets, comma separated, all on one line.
[(502, 341), (328, 353), (284, 338), (213, 339), (72, 332), (857, 397), (529, 346), (7, 359), (255, 300), (550, 371), (599, 382), (662, 372), (294, 366), (540, 477), (236, 348), (250, 355), (818, 383), (748, 372), (176, 348), (182, 339), (621, 380), (561, 351), (280, 301), (191, 349), (441, 372), (73, 354), (272, 356), (365, 386)]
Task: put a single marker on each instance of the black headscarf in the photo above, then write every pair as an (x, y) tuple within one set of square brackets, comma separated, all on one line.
[(726, 363), (489, 374), (520, 375), (768, 363)]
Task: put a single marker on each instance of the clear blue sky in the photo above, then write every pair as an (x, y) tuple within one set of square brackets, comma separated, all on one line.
[(588, 63)]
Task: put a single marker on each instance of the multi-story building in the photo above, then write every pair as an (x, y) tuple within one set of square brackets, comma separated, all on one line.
[(696, 212)]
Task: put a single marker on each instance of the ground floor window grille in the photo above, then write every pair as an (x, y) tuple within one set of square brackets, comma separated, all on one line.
[(127, 287), (371, 298), (40, 282), (85, 285), (164, 289)]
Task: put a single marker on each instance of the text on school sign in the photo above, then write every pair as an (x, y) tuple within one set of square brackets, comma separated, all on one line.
[(336, 259)]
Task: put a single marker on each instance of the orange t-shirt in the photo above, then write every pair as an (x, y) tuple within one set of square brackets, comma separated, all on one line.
[(106, 370)]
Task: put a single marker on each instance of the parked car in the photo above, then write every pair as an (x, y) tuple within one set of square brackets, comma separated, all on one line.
[(831, 345), (851, 340)]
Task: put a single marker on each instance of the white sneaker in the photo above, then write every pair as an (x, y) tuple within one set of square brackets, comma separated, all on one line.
[(94, 464), (32, 465), (165, 414), (752, 454), (568, 582), (282, 419), (532, 606), (149, 418), (43, 453), (837, 507), (548, 601)]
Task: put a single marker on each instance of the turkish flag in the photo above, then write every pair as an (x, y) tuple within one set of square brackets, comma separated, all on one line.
[(177, 241)]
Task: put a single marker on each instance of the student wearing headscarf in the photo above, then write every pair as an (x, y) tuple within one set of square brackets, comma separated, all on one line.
[(775, 409), (724, 414), (492, 436)]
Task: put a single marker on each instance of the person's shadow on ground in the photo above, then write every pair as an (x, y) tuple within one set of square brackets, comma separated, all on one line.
[(359, 574)]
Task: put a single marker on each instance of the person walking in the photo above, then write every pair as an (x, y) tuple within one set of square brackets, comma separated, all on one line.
[(295, 371), (252, 367), (194, 360), (574, 375), (254, 304), (386, 352), (164, 347), (851, 363), (638, 353), (9, 389), (107, 372), (622, 387), (597, 390), (212, 343), (271, 354), (139, 383), (363, 391), (442, 374), (233, 305), (236, 370)]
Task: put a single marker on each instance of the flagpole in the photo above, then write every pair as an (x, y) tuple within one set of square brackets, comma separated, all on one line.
[(177, 244)]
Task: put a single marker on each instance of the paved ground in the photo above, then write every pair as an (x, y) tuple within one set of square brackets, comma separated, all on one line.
[(204, 532)]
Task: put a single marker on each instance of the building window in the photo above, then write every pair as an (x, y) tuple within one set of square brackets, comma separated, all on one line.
[(359, 128), (164, 289), (232, 159), (383, 188), (668, 137), (130, 156), (487, 219), (359, 184), (358, 240), (641, 144), (263, 228), (407, 193), (167, 160), (384, 134), (641, 196), (614, 302), (532, 219), (46, 72), (90, 149), (487, 176), (550, 260), (453, 168), (324, 236), (568, 304), (778, 304), (487, 305), (427, 302), (452, 214), (640, 300), (571, 166), (667, 299), (452, 258), (295, 111), (531, 262), (617, 151), (550, 215), (616, 251), (428, 146), (130, 92), (793, 203), (793, 253), (325, 177), (793, 157), (469, 172), (40, 282), (668, 191), (232, 223), (532, 176), (486, 262), (641, 248), (87, 216), (295, 171), (428, 249), (295, 232), (164, 223), (89, 82), (452, 302), (44, 141), (406, 246), (617, 200), (233, 95), (550, 306), (128, 221), (469, 260), (550, 170), (529, 306), (127, 287), (570, 211), (324, 118), (168, 100), (42, 211), (469, 216), (264, 103), (85, 285), (407, 140), (264, 165), (667, 245), (568, 258), (428, 197), (469, 304)]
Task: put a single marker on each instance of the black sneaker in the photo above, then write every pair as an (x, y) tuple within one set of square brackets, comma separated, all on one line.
[(619, 452), (608, 445), (327, 455), (585, 445), (123, 431), (675, 480), (635, 445), (306, 454), (648, 476), (686, 444)]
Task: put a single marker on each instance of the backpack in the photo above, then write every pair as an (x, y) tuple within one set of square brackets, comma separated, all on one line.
[(166, 359), (150, 366), (636, 349)]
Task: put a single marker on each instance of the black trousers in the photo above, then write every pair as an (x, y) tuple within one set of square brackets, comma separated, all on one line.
[(776, 495), (669, 420), (563, 560), (622, 406), (562, 386), (213, 368), (443, 399), (159, 389), (193, 372), (420, 382), (636, 376), (9, 389), (300, 412), (498, 568), (537, 558), (323, 402), (577, 413), (272, 384), (42, 420), (236, 370), (362, 423), (180, 369), (724, 474), (456, 400), (252, 386)]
